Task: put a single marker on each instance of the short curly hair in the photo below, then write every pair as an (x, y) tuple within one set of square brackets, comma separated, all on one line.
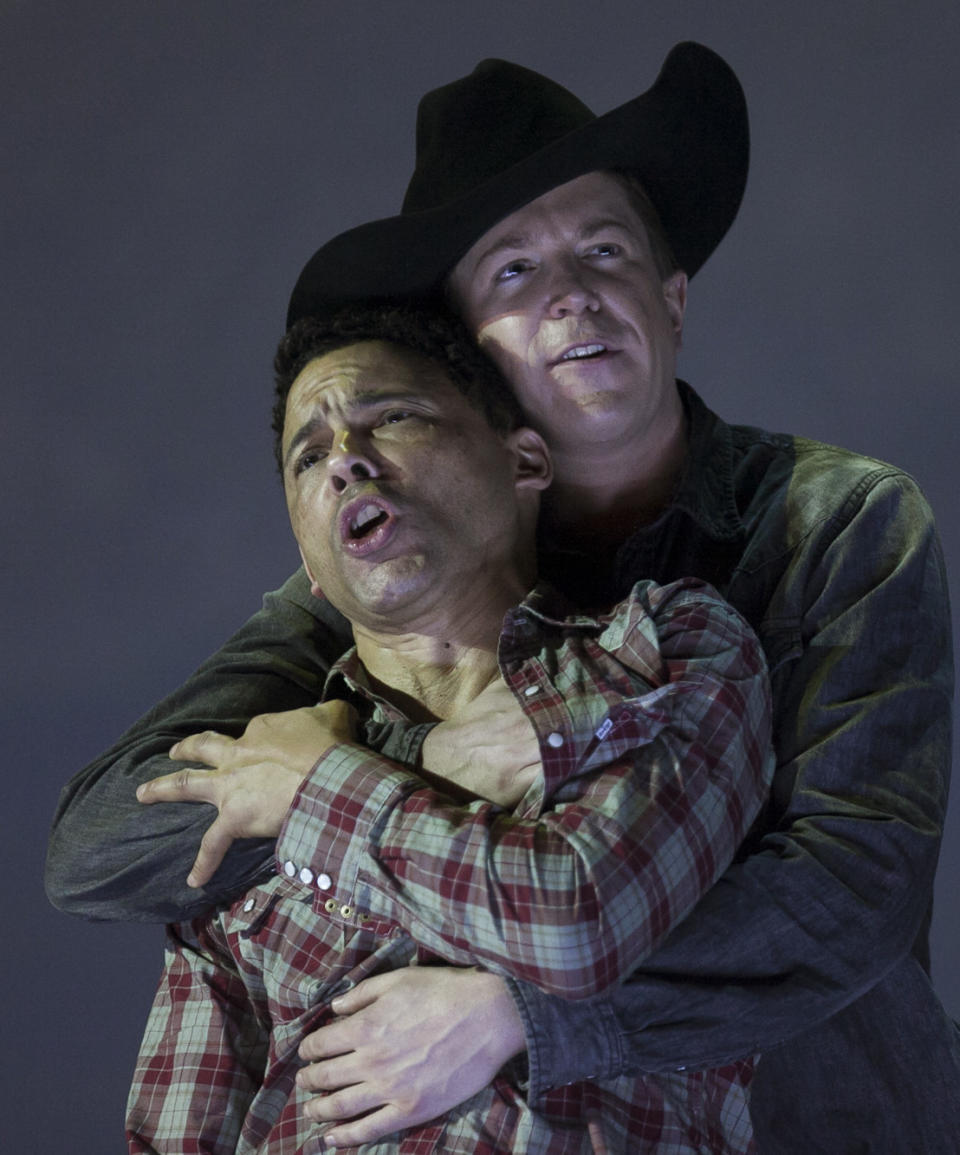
[(427, 328)]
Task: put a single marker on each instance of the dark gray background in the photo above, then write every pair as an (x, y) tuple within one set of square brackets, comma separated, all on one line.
[(167, 167)]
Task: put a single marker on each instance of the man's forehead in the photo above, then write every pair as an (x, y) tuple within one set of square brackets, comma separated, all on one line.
[(588, 201), (366, 372)]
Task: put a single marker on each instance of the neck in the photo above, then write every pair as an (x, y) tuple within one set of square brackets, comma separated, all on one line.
[(432, 670), (601, 492)]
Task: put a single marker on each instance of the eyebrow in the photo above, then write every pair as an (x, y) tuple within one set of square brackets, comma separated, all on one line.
[(523, 240), (368, 399), (513, 241), (600, 224)]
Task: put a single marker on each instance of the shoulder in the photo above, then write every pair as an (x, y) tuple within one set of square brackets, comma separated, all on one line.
[(683, 617), (811, 484)]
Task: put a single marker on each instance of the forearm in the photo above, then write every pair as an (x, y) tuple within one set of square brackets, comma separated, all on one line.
[(762, 959), (703, 999), (112, 858), (834, 894), (700, 1001), (645, 814)]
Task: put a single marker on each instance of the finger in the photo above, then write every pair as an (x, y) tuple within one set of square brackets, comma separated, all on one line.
[(337, 1038), (598, 1143), (208, 747), (333, 708), (186, 785), (366, 991), (213, 846), (338, 715), (342, 1104), (331, 1075), (371, 1127)]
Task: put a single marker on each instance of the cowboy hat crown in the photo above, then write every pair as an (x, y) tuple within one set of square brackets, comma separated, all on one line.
[(494, 140)]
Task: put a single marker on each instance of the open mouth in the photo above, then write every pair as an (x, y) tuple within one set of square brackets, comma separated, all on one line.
[(367, 519), (366, 524), (586, 351)]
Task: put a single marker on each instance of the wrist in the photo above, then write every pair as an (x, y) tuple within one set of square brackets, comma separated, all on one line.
[(507, 1037)]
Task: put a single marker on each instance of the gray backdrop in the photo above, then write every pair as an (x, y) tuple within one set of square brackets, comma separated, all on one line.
[(167, 167)]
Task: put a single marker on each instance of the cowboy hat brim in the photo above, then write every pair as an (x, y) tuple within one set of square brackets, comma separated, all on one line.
[(686, 138)]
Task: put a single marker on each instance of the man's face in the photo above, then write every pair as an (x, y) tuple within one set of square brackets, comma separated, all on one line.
[(401, 496), (565, 296)]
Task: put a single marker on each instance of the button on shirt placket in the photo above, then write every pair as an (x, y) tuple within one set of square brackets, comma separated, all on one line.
[(321, 882), (335, 887), (540, 702)]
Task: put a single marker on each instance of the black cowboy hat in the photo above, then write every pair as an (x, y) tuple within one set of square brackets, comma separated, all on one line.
[(499, 138)]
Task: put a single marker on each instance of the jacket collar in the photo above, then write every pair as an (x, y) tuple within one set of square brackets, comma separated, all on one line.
[(706, 489)]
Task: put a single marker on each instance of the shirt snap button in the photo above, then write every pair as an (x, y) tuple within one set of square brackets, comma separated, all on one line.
[(555, 739), (324, 881), (289, 869)]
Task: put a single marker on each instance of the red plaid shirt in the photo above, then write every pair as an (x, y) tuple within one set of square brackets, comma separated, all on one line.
[(654, 733)]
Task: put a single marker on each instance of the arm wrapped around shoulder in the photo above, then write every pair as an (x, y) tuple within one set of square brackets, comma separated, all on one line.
[(109, 857)]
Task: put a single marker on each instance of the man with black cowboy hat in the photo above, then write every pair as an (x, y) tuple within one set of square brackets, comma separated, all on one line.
[(536, 218)]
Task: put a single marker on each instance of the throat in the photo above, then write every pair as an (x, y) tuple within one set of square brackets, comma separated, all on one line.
[(434, 691), (591, 521), (594, 505)]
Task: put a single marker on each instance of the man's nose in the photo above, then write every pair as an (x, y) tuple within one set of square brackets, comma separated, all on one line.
[(351, 458), (571, 293)]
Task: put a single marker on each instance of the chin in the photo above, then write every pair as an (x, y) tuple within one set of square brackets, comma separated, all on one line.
[(383, 595), (607, 405)]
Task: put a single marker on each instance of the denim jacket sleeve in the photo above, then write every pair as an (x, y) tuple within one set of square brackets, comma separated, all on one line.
[(837, 888), (110, 857)]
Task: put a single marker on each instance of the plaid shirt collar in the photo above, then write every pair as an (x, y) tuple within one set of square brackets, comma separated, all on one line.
[(348, 680)]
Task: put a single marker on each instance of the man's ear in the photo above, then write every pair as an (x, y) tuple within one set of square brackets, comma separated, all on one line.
[(534, 469), (314, 588), (675, 296)]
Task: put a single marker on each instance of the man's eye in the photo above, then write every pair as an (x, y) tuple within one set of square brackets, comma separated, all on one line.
[(395, 415), (307, 460), (606, 249), (513, 270)]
